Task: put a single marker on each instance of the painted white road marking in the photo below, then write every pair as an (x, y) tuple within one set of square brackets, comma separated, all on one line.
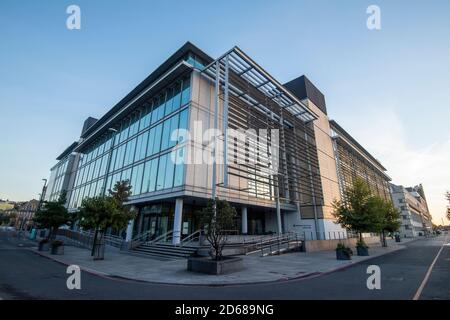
[(427, 275)]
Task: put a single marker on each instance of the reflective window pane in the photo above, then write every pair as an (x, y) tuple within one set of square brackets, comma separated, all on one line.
[(186, 94), (161, 171), (168, 180)]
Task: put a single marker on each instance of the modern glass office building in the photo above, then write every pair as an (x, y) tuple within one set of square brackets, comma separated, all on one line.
[(281, 177)]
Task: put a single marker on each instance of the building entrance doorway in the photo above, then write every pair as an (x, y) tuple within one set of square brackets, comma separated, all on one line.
[(155, 220)]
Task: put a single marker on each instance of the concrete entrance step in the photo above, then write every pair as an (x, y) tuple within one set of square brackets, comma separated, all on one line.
[(165, 250)]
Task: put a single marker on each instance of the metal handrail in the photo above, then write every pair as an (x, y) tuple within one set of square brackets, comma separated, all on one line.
[(139, 239), (190, 237), (280, 240), (163, 236), (141, 235)]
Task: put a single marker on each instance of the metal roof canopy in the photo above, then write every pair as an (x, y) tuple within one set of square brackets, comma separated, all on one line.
[(244, 67)]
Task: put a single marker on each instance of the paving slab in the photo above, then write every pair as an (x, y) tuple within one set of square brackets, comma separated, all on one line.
[(258, 269)]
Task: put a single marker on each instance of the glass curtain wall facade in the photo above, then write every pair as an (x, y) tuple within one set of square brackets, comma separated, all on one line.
[(140, 150), (60, 175)]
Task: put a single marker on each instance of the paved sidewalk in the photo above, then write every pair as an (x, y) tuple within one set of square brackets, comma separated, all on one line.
[(257, 269)]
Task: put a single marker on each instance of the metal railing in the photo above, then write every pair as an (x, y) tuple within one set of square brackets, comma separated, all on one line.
[(79, 239), (141, 238), (166, 237), (327, 235), (281, 243), (147, 238), (195, 236), (85, 239)]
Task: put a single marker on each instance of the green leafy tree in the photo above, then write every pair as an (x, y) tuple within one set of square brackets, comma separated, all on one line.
[(52, 215), (216, 218), (388, 217), (103, 212), (356, 212), (447, 195)]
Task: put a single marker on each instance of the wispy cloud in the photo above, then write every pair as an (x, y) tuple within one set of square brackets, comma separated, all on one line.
[(382, 131)]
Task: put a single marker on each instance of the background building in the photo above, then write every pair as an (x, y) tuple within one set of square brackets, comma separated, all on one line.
[(24, 212), (353, 160), (415, 217)]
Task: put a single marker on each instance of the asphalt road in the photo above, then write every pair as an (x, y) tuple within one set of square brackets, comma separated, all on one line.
[(25, 275)]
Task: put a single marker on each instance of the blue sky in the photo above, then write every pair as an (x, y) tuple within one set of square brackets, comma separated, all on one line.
[(388, 88)]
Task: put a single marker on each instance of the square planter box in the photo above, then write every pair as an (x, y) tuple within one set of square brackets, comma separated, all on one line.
[(342, 255), (59, 250), (362, 251), (209, 266), (44, 246)]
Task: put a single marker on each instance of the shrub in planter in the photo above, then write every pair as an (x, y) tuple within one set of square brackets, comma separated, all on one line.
[(362, 248), (57, 247), (343, 252), (44, 245)]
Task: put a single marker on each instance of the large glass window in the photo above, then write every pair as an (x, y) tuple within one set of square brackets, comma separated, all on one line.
[(158, 111), (126, 175), (165, 135), (169, 102), (186, 94), (98, 164), (157, 138), (161, 170), (120, 156), (136, 179), (129, 154), (141, 146), (176, 97), (173, 127), (113, 159), (151, 141), (134, 126), (179, 167), (124, 131), (150, 174), (146, 117), (168, 180), (100, 186), (104, 164)]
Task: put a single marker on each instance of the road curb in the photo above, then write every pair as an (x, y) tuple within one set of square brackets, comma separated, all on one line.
[(306, 276)]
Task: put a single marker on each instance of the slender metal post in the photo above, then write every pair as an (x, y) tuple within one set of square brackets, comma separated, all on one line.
[(225, 125), (216, 115), (277, 193)]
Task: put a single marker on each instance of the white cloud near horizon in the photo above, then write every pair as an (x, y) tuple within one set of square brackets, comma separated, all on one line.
[(382, 132)]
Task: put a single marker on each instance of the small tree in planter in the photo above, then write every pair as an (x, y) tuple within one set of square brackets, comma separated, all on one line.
[(388, 218), (103, 212), (217, 218), (357, 211), (362, 248), (343, 252), (53, 215)]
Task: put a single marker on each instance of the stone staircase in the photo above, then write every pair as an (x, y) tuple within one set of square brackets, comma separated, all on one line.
[(165, 250)]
